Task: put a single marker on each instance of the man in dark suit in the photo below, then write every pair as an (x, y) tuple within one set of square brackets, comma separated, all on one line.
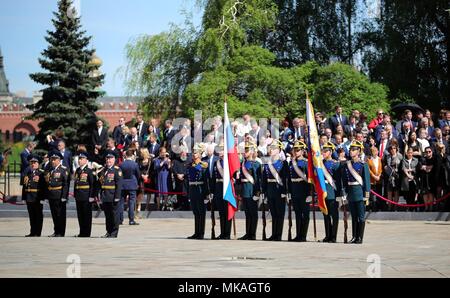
[(211, 159), (141, 126), (66, 156), (337, 119), (24, 163), (298, 128), (351, 126), (99, 136), (117, 132), (131, 176), (153, 146), (169, 133), (133, 137), (446, 121), (438, 138)]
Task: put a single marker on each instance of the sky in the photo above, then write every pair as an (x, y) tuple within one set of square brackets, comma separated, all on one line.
[(111, 23)]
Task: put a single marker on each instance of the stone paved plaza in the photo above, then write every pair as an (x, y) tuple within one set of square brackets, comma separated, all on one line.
[(158, 248)]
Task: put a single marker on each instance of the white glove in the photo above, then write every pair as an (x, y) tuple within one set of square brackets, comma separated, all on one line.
[(255, 198), (63, 200), (116, 200), (205, 201), (283, 196), (91, 200), (308, 199)]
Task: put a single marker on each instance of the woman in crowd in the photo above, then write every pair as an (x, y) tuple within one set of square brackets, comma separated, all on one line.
[(376, 170), (391, 162), (162, 166), (409, 168), (414, 145), (144, 163), (428, 177), (440, 170)]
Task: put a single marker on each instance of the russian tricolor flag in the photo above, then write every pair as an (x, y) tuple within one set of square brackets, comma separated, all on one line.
[(231, 165)]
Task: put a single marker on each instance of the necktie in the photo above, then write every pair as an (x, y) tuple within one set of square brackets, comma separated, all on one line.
[(210, 166), (382, 149)]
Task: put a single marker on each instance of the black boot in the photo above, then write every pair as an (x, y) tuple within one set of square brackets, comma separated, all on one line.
[(196, 221), (327, 222), (304, 230), (280, 225), (253, 227), (355, 239), (227, 231), (354, 234), (361, 226), (334, 229), (201, 227), (247, 228), (222, 228)]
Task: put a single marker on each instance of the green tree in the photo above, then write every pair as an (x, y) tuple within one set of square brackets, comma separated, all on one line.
[(342, 84), (410, 50), (69, 98)]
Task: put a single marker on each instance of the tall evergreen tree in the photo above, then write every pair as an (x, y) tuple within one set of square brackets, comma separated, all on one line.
[(69, 98)]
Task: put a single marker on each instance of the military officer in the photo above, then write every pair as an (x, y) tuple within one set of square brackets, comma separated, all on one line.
[(299, 188), (33, 190), (332, 172), (216, 188), (250, 190), (274, 187), (198, 191), (356, 181), (110, 180), (57, 178), (84, 195)]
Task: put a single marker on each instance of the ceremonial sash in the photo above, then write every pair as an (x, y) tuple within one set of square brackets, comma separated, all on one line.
[(355, 175), (275, 174), (247, 174), (328, 177), (298, 170), (219, 168)]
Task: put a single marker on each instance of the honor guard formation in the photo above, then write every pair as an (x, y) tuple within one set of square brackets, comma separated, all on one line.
[(164, 169)]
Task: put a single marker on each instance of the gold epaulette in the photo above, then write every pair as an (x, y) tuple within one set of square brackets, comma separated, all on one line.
[(116, 167), (204, 164)]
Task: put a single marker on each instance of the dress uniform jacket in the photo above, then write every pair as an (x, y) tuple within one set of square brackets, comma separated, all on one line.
[(110, 180), (84, 184)]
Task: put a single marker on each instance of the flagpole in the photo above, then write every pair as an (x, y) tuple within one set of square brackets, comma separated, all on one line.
[(312, 191), (234, 227), (314, 216)]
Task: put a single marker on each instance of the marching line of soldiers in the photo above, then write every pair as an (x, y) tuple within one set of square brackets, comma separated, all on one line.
[(281, 181)]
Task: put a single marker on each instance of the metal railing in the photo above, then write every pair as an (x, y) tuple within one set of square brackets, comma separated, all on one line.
[(12, 170)]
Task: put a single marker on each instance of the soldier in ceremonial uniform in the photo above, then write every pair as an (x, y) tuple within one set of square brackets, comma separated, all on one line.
[(198, 191), (299, 188), (84, 195), (356, 181), (216, 188), (110, 180), (333, 182), (250, 190), (33, 190), (274, 187), (57, 178)]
